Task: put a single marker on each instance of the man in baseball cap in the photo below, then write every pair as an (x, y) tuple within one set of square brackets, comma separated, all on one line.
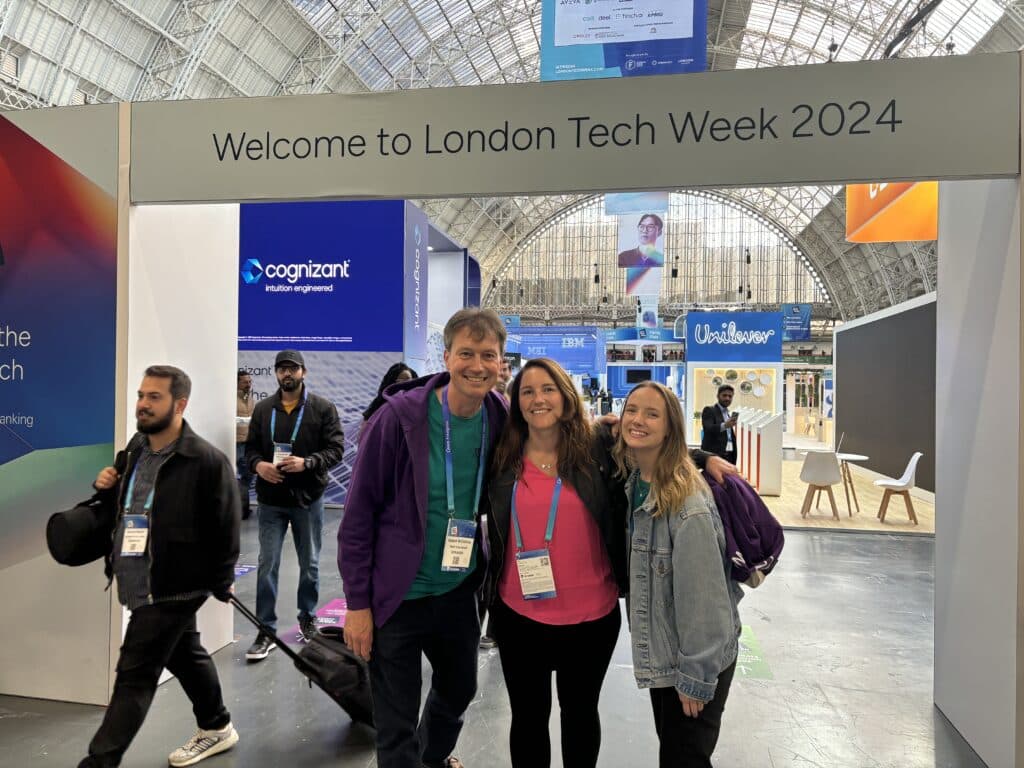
[(294, 438)]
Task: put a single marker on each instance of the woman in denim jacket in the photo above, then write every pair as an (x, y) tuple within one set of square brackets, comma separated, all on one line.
[(682, 603)]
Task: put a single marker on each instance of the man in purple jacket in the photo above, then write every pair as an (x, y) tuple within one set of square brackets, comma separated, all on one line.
[(408, 543)]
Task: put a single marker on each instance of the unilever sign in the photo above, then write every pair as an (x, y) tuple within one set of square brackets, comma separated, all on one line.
[(734, 337)]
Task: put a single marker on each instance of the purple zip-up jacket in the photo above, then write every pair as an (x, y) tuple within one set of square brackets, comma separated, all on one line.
[(383, 528), (753, 537)]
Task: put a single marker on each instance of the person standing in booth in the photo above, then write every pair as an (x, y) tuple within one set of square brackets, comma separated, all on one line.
[(683, 613), (719, 436), (557, 540), (171, 505), (408, 543), (295, 437), (243, 415)]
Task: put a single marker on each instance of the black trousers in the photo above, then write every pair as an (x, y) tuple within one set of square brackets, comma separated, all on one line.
[(158, 636), (446, 629), (688, 742), (578, 655)]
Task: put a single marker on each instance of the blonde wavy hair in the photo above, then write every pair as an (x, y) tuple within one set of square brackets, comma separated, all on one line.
[(675, 475)]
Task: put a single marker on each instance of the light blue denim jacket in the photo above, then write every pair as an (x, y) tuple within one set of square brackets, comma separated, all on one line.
[(682, 603)]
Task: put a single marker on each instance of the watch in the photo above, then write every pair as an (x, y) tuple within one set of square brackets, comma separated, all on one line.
[(307, 463)]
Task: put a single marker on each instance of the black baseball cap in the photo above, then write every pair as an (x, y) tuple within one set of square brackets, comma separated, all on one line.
[(289, 356)]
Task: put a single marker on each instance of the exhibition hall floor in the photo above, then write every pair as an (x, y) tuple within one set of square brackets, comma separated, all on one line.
[(787, 506), (838, 672)]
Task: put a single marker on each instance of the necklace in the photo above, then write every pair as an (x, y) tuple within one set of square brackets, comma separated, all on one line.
[(546, 466)]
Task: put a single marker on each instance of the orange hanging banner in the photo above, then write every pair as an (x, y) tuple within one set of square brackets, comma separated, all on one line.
[(889, 212)]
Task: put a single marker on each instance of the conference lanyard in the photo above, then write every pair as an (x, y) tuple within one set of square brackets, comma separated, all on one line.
[(131, 492), (449, 471), (298, 421), (552, 514)]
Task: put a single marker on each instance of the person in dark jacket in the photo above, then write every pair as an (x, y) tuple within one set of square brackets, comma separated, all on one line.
[(719, 426), (556, 526), (408, 545), (396, 374), (295, 437), (172, 507)]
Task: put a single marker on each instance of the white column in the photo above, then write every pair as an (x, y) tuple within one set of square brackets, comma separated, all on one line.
[(978, 491)]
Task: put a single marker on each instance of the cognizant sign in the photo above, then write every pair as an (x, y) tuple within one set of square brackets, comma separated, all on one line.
[(286, 277), (754, 337)]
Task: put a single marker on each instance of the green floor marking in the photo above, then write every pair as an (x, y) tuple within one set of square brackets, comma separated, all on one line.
[(750, 664)]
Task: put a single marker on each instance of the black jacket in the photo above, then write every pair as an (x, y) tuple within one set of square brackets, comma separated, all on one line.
[(195, 519), (714, 439), (320, 441), (601, 493)]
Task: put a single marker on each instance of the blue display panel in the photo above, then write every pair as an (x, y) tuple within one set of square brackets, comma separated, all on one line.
[(575, 347), (582, 39), (622, 378), (414, 326), (323, 276), (796, 322), (751, 337)]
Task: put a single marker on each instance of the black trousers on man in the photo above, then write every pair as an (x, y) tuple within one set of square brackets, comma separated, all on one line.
[(688, 742), (446, 629), (158, 636)]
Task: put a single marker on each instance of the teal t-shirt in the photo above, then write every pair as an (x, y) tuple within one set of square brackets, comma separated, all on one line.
[(640, 491), (430, 579)]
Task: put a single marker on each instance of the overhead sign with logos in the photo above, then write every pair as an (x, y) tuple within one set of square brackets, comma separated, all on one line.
[(622, 38), (787, 125), (728, 337), (892, 212), (796, 322), (637, 335), (574, 347), (323, 276)]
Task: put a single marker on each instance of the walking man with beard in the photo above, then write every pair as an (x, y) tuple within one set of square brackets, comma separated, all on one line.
[(294, 438), (171, 504)]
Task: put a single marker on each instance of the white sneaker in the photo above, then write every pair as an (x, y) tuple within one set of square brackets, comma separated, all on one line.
[(203, 745)]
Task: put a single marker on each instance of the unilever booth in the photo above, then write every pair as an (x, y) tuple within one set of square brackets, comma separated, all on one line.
[(744, 350)]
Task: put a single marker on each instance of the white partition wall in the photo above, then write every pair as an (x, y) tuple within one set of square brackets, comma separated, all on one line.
[(978, 493), (183, 311)]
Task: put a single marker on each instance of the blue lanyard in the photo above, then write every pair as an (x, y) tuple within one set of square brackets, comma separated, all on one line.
[(552, 514), (298, 421), (131, 492), (449, 471)]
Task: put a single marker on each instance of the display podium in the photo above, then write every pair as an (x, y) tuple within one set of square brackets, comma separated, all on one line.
[(759, 450)]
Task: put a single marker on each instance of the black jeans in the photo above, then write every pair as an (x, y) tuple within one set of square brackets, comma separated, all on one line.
[(578, 655), (444, 628), (158, 636), (688, 742)]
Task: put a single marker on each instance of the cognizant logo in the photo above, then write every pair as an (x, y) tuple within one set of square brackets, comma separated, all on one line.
[(253, 271)]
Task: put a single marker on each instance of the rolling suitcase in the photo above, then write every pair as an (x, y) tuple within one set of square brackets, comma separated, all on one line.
[(328, 662)]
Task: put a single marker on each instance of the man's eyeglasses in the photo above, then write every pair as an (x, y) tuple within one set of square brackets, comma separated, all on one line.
[(648, 227)]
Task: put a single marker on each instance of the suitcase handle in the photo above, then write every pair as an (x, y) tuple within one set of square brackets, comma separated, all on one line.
[(254, 620)]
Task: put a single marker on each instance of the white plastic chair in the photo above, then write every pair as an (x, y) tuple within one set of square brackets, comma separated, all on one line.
[(900, 487), (820, 471)]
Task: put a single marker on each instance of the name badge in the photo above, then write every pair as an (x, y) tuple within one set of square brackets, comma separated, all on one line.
[(136, 534), (535, 575), (458, 546), (281, 452)]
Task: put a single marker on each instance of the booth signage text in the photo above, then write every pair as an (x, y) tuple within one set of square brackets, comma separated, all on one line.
[(754, 337)]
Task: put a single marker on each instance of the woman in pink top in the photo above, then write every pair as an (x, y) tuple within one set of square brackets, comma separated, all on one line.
[(557, 546)]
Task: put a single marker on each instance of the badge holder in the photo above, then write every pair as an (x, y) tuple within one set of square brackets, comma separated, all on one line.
[(535, 575), (136, 534), (458, 546)]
